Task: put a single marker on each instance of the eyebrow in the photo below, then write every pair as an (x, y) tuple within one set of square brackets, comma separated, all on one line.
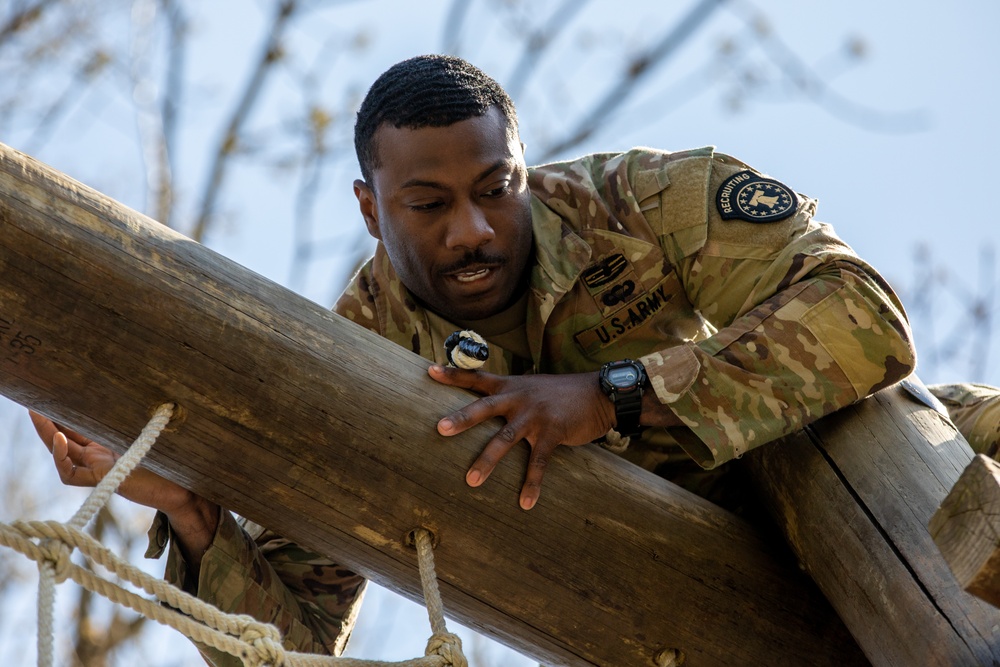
[(417, 183)]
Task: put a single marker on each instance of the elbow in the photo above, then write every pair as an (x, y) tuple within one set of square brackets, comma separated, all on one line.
[(893, 346), (866, 330)]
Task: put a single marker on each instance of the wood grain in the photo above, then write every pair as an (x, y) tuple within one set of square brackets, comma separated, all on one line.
[(305, 422), (966, 528), (854, 493)]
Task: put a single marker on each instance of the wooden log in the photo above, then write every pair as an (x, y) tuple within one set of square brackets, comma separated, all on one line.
[(966, 528), (305, 422), (853, 494)]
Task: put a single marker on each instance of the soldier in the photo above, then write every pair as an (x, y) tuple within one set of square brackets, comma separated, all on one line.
[(682, 300)]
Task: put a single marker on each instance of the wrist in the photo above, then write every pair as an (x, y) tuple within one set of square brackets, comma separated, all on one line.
[(624, 382), (657, 414), (193, 526)]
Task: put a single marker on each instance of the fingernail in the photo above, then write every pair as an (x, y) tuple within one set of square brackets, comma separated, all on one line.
[(436, 368), (527, 503), (445, 425), (474, 477)]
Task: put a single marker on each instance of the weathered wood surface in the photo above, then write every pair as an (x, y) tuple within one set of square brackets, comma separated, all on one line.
[(966, 528), (302, 421), (853, 494)]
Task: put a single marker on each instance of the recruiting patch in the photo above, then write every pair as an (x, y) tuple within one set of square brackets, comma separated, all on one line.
[(747, 196)]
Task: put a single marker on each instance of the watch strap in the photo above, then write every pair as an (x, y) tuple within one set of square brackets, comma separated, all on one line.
[(628, 408)]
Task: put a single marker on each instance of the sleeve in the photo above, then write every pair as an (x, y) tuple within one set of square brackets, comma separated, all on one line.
[(975, 410), (803, 327), (312, 601)]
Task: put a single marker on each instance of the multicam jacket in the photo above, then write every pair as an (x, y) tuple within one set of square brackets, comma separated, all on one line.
[(975, 410), (751, 318)]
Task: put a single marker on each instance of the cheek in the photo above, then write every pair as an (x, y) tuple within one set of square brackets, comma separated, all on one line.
[(523, 233), (401, 241), (412, 256)]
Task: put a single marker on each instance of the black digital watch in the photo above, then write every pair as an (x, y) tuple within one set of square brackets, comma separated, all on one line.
[(623, 382)]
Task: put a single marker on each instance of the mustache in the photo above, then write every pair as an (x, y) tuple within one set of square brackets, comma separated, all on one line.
[(478, 256)]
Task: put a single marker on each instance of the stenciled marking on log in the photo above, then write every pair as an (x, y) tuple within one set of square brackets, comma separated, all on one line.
[(15, 343)]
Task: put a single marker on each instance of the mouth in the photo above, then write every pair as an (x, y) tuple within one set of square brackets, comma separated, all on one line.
[(471, 276), (473, 273)]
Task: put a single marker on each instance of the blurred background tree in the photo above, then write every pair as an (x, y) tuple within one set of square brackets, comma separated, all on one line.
[(232, 122)]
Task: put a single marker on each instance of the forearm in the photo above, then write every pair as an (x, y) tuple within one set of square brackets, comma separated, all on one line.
[(193, 526), (808, 350), (307, 597)]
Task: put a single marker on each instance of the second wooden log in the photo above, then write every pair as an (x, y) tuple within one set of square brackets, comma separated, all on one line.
[(853, 494)]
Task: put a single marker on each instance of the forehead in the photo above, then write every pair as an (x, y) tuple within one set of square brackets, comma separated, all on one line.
[(432, 153)]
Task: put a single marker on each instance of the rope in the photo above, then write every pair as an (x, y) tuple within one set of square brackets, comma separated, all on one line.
[(442, 642), (50, 544)]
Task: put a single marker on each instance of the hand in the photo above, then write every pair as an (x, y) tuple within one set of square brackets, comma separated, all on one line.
[(82, 462), (544, 410)]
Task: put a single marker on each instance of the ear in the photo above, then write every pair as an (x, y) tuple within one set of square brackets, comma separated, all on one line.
[(368, 206)]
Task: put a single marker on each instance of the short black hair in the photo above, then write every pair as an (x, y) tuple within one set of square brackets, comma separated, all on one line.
[(425, 91)]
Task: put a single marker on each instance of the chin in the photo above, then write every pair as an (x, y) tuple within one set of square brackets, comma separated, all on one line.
[(473, 312)]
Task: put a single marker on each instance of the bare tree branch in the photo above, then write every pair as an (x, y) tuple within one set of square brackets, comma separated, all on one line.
[(97, 642), (176, 48), (229, 141), (84, 77), (638, 69), (808, 83), (453, 26), (937, 297), (538, 41), (23, 18)]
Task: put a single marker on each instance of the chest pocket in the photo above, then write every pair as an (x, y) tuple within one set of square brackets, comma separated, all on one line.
[(629, 302)]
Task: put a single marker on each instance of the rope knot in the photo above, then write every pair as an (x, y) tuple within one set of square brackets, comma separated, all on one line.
[(56, 556), (449, 647), (266, 643), (54, 548)]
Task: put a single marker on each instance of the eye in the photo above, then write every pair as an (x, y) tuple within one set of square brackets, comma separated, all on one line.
[(498, 191), (424, 207)]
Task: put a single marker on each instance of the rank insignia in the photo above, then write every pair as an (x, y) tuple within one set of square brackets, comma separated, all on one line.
[(747, 196)]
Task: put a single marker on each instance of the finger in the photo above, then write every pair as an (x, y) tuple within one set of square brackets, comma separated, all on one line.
[(537, 464), (73, 436), (45, 428), (68, 457), (497, 448), (471, 415), (65, 465), (483, 383)]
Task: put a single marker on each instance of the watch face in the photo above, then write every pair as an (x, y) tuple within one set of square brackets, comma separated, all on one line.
[(623, 377)]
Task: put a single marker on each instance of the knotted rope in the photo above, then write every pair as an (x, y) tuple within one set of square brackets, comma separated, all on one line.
[(50, 544)]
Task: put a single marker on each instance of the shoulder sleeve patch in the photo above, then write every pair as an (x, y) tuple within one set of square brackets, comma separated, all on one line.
[(747, 196)]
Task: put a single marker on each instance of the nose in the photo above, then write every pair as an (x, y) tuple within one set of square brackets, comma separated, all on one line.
[(468, 228)]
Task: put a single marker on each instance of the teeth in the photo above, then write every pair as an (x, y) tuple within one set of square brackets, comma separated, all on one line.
[(470, 277)]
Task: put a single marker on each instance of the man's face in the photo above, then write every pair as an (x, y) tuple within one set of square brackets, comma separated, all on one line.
[(452, 207)]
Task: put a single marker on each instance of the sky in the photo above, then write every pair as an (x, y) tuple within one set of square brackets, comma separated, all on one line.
[(897, 146)]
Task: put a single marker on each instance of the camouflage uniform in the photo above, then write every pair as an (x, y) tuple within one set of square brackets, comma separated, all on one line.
[(250, 570), (751, 318), (975, 409), (748, 330)]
